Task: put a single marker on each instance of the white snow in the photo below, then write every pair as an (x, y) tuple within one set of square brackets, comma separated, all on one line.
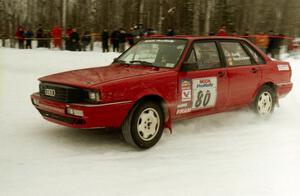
[(227, 154)]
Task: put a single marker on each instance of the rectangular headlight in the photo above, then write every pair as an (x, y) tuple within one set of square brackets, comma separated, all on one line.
[(74, 112), (94, 96)]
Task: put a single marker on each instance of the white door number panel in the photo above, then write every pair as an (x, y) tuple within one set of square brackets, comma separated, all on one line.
[(204, 92)]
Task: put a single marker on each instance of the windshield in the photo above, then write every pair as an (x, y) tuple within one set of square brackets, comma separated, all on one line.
[(154, 52)]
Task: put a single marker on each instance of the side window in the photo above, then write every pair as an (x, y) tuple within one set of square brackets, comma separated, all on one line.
[(207, 55), (204, 55), (258, 59), (235, 54)]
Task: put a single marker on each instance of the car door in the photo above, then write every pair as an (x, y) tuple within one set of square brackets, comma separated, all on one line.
[(243, 73), (202, 81)]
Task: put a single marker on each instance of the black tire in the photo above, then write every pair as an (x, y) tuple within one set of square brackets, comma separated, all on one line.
[(140, 117), (264, 101)]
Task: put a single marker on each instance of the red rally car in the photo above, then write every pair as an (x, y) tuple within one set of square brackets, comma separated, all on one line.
[(160, 80)]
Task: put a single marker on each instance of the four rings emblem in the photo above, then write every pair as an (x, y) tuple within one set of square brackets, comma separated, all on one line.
[(50, 92)]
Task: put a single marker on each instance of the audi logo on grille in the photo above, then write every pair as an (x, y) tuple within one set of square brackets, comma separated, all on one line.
[(50, 92)]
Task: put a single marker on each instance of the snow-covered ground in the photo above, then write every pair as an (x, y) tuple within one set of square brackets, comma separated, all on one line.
[(227, 154)]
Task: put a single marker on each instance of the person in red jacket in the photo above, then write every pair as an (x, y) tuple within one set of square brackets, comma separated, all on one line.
[(56, 34), (222, 31), (20, 35)]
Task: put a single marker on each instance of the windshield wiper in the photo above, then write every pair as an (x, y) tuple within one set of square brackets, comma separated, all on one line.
[(142, 63), (120, 61)]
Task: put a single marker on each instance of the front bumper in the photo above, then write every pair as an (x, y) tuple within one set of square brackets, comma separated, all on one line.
[(94, 115)]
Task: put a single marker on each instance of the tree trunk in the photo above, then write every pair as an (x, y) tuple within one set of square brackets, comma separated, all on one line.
[(207, 17)]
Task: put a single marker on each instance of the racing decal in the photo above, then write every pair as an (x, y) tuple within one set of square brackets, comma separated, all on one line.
[(183, 110), (283, 67), (204, 92), (186, 90), (183, 105)]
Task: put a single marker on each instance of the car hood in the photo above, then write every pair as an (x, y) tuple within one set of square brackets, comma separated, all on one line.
[(93, 76)]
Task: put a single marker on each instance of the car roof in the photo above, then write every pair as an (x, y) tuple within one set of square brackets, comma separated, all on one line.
[(191, 37)]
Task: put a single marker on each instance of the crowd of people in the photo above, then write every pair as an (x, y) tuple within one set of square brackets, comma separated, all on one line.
[(118, 38), (70, 39), (267, 42), (73, 41)]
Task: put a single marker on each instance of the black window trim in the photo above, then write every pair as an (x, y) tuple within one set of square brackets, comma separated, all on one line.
[(253, 62), (244, 44), (191, 49)]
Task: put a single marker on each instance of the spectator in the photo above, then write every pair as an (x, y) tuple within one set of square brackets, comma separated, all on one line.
[(28, 36), (222, 31), (273, 47), (247, 34), (47, 41), (115, 40), (138, 32), (170, 32), (68, 41), (40, 36), (74, 37), (20, 37), (105, 38), (130, 37), (86, 40), (262, 41), (56, 34), (122, 40), (234, 34)]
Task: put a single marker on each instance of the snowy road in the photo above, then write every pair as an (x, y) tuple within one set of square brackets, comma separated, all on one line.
[(228, 154)]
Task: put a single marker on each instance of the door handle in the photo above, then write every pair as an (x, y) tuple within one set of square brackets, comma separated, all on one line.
[(254, 70), (221, 73)]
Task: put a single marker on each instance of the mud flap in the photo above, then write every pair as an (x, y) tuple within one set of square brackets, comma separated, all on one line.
[(168, 124)]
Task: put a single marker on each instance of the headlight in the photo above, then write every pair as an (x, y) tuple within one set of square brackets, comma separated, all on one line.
[(35, 101), (93, 96), (74, 112)]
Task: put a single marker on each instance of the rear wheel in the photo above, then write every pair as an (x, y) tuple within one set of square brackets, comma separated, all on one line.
[(143, 127), (265, 101)]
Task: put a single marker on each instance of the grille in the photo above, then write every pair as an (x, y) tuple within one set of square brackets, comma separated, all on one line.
[(62, 93)]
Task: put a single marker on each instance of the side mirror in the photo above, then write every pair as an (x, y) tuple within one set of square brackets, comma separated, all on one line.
[(185, 67)]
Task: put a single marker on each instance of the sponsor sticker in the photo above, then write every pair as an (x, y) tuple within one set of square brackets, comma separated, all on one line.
[(204, 92), (186, 90), (183, 105), (283, 67), (183, 110)]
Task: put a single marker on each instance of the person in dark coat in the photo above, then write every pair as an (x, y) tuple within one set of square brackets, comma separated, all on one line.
[(170, 32), (20, 37), (86, 40), (105, 39), (47, 41), (115, 40), (275, 42), (28, 36), (68, 41), (40, 36), (130, 37), (122, 40), (75, 38)]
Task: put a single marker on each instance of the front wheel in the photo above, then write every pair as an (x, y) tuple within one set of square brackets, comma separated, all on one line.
[(265, 101), (144, 125)]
